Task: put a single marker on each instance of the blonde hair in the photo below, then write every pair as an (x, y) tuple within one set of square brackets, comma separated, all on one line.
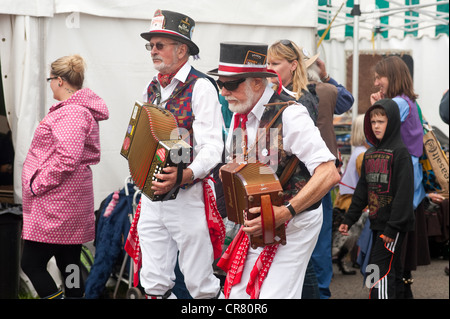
[(291, 53), (70, 68), (358, 138)]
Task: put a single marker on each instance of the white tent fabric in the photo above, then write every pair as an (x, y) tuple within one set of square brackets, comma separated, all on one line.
[(107, 34)]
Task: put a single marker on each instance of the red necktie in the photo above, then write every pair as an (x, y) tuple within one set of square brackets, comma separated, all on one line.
[(240, 120)]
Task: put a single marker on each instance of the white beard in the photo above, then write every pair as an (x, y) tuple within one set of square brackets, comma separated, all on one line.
[(164, 68), (242, 107)]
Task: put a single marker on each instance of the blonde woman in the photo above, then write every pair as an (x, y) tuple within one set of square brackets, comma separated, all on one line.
[(286, 58), (58, 200)]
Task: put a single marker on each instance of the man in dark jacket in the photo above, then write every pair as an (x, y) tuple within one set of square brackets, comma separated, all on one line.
[(386, 186)]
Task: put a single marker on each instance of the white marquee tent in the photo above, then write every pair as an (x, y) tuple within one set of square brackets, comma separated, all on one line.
[(107, 34)]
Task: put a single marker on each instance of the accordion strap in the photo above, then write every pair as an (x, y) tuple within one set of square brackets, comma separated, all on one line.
[(269, 124), (289, 170), (293, 162), (177, 183)]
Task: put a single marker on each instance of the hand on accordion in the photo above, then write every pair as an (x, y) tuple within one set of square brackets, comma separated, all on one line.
[(254, 226), (165, 182)]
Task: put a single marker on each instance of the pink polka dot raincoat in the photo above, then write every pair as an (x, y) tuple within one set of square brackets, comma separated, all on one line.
[(57, 186)]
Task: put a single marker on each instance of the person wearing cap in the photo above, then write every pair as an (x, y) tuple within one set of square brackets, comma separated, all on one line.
[(273, 271), (181, 226)]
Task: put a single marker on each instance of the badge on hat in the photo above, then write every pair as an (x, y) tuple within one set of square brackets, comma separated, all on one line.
[(239, 59), (174, 25), (157, 21)]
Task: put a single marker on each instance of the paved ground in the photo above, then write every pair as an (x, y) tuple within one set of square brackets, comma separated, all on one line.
[(430, 282)]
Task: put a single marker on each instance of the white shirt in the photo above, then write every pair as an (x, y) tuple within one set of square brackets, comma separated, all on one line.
[(300, 136), (207, 123)]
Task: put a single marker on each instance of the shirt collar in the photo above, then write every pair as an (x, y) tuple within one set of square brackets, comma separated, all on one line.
[(183, 73), (259, 108)]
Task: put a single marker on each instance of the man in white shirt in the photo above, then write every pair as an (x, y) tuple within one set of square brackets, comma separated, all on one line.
[(242, 77), (180, 226)]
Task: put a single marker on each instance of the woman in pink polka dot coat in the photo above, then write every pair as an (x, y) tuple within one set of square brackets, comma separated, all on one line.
[(58, 200)]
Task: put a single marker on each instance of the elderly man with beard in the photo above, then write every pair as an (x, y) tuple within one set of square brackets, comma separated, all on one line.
[(273, 271), (180, 227)]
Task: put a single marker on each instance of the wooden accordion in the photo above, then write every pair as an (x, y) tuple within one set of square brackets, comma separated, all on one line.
[(250, 185), (149, 147)]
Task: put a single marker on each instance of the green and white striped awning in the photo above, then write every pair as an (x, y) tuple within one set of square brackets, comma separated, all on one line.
[(383, 18)]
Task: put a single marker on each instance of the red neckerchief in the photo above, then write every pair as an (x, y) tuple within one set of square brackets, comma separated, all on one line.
[(132, 246), (215, 222), (233, 262), (213, 219), (165, 79)]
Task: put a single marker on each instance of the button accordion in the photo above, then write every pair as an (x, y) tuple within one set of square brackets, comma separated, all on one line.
[(152, 143), (250, 185)]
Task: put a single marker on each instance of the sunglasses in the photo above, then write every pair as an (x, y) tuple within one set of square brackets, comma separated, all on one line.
[(159, 45), (230, 85), (289, 44)]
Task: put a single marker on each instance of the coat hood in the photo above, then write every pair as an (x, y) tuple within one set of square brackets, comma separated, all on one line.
[(392, 136), (87, 98)]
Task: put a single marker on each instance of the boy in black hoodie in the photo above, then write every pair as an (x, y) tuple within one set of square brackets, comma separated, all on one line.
[(386, 186)]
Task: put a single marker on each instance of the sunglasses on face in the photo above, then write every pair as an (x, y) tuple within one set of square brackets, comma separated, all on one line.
[(230, 85), (159, 45)]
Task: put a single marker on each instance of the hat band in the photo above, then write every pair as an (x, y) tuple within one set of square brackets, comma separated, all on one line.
[(171, 33), (241, 68)]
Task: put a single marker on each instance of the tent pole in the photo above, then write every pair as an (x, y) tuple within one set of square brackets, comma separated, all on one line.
[(356, 12)]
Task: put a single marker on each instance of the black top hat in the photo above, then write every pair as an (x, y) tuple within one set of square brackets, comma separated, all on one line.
[(173, 25), (243, 60)]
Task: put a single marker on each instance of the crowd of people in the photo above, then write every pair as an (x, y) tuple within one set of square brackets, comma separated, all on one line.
[(256, 88)]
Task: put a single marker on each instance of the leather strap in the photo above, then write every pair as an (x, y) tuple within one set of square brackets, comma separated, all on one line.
[(267, 220), (177, 183)]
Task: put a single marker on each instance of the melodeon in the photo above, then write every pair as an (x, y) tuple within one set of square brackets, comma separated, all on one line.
[(250, 185), (149, 147)]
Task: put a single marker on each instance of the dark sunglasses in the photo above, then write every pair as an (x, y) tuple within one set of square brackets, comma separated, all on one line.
[(289, 44), (159, 46), (230, 85)]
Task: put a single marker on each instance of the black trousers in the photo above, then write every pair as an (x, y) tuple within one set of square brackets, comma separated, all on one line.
[(34, 264), (385, 270)]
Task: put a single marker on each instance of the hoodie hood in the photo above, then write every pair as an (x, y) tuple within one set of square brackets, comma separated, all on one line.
[(87, 98), (392, 136)]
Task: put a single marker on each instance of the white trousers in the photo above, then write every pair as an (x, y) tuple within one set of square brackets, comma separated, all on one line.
[(287, 272), (167, 227)]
